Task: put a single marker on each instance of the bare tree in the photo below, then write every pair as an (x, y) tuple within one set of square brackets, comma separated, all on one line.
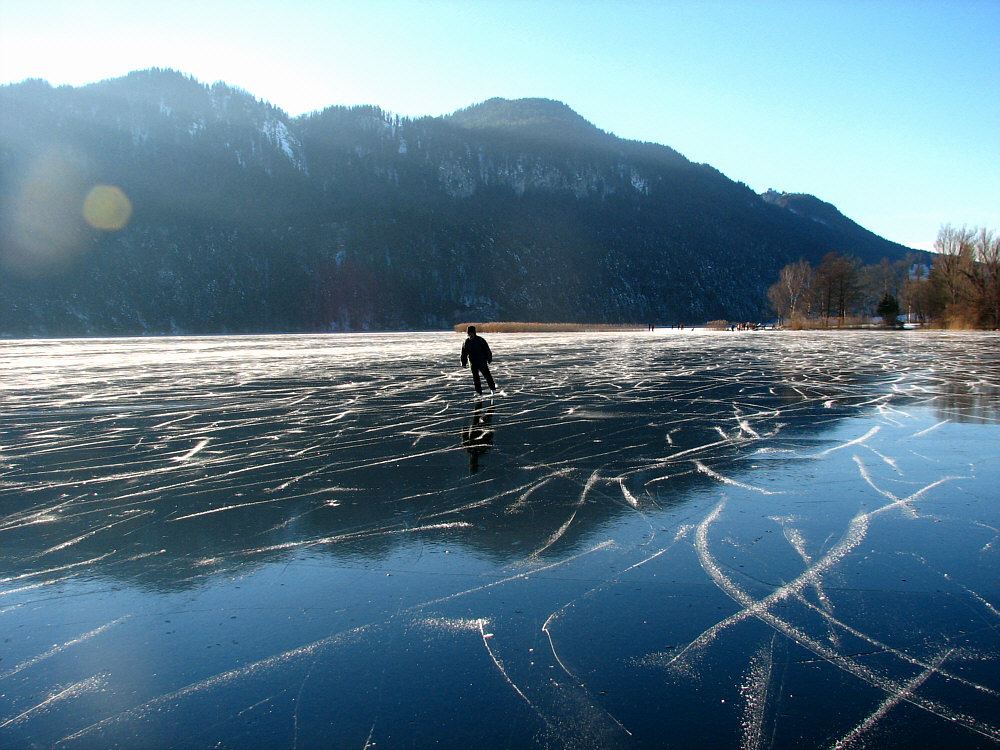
[(789, 293), (917, 294), (951, 273), (837, 286), (883, 279), (984, 274)]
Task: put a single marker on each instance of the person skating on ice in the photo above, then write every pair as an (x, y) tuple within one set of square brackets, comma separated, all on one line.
[(476, 352)]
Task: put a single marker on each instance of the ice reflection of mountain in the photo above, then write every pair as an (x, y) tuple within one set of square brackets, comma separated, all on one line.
[(628, 492)]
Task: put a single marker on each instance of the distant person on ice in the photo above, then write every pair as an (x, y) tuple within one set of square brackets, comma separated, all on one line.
[(476, 351)]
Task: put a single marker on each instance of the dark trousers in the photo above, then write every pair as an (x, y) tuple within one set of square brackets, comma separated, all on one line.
[(485, 370)]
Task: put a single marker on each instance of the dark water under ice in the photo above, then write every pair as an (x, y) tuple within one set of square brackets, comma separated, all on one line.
[(759, 540)]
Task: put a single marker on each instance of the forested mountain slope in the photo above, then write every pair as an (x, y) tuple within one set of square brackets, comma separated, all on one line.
[(244, 219)]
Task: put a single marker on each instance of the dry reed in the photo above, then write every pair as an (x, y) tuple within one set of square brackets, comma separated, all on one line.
[(515, 327)]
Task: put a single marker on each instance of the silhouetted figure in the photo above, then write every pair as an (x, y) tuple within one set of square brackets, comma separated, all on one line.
[(477, 437), (476, 352)]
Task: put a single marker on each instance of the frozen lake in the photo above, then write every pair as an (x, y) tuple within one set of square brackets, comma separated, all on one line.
[(745, 540)]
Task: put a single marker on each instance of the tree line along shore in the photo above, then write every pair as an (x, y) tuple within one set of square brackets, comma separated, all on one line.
[(958, 289)]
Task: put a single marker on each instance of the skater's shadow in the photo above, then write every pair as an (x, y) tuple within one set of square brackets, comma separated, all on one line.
[(477, 435)]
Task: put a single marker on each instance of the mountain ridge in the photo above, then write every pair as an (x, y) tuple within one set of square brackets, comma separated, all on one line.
[(352, 218)]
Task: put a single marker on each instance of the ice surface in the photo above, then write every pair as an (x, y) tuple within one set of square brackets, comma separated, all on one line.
[(758, 540)]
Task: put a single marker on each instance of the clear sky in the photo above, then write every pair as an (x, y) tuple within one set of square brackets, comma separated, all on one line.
[(889, 109)]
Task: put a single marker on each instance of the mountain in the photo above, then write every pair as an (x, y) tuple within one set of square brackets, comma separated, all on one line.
[(231, 216), (812, 208), (541, 118)]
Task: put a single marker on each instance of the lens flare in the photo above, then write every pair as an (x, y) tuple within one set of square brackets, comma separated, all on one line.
[(107, 207), (41, 217)]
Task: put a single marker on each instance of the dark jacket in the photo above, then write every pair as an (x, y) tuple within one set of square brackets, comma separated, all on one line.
[(476, 350)]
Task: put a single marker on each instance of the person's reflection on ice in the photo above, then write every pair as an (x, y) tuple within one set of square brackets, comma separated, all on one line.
[(477, 436)]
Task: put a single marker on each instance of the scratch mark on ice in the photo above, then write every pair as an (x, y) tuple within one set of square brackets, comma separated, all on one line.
[(849, 443), (754, 691), (761, 610), (89, 685), (576, 509), (201, 444), (726, 480), (930, 429), (61, 647), (903, 694), (629, 497), (486, 636)]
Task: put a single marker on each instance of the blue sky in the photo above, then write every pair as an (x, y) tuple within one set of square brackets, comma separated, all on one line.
[(889, 110)]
